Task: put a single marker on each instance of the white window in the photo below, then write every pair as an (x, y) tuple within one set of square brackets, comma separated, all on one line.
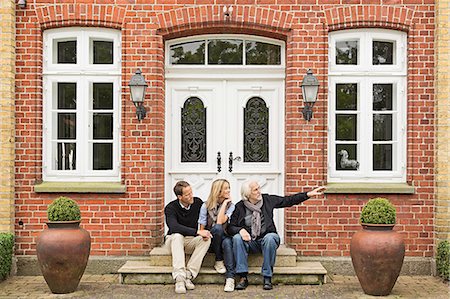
[(82, 85), (367, 106)]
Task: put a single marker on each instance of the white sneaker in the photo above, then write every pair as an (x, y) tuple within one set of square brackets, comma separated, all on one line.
[(189, 285), (220, 267), (180, 286), (229, 285)]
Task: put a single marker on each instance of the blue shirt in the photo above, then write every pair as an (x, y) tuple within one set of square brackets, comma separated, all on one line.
[(203, 217)]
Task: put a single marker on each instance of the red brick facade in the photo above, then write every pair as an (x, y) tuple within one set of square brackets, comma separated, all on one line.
[(132, 223)]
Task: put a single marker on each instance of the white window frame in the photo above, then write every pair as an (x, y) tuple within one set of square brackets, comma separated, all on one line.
[(365, 75), (217, 71), (84, 74)]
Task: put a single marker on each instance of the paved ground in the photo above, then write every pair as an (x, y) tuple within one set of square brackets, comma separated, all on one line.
[(107, 286)]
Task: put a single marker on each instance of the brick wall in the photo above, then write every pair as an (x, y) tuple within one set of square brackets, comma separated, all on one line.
[(132, 223), (442, 120), (7, 60)]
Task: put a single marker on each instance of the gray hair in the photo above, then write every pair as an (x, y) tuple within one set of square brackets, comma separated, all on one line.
[(246, 190)]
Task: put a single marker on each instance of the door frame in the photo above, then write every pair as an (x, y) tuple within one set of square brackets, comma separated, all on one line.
[(174, 73)]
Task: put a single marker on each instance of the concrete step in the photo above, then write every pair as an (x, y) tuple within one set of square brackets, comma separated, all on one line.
[(286, 257), (143, 272)]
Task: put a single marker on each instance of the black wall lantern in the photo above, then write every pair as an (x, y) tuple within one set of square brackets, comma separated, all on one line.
[(310, 87), (137, 89)]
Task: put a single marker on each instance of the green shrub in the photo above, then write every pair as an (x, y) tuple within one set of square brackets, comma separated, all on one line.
[(6, 252), (378, 211), (443, 259), (63, 209)]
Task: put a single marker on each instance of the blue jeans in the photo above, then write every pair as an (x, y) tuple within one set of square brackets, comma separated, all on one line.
[(267, 246), (222, 246)]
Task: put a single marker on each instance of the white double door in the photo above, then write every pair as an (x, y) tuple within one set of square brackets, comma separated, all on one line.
[(233, 130)]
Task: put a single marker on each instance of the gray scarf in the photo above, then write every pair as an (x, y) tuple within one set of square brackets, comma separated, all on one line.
[(256, 216), (212, 219)]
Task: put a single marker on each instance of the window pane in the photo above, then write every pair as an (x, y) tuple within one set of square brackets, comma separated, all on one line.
[(347, 52), (256, 131), (188, 53), (103, 96), (67, 96), (382, 97), (103, 52), (346, 126), (382, 157), (346, 96), (382, 52), (346, 157), (262, 53), (103, 125), (66, 156), (225, 51), (67, 52), (102, 156), (382, 127), (67, 124), (193, 131)]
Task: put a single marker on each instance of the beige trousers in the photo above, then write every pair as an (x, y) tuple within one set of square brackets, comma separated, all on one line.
[(180, 245)]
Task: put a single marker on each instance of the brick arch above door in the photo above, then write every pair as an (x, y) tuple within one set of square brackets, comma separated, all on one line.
[(211, 19)]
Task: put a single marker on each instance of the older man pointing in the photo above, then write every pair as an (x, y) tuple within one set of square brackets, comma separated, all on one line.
[(254, 231)]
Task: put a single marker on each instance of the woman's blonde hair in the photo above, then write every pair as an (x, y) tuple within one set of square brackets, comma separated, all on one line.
[(213, 197)]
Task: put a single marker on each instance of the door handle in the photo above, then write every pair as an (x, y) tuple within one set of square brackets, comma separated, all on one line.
[(230, 161), (219, 162)]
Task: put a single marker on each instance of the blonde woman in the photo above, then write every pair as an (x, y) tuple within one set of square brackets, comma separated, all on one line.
[(214, 216)]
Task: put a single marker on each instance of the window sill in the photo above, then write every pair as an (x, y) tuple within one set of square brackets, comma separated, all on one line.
[(80, 187), (386, 188)]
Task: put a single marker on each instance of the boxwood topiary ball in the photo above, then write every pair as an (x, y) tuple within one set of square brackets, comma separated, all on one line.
[(378, 211), (63, 209)]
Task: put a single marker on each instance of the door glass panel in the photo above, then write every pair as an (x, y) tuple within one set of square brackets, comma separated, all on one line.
[(193, 131), (258, 53), (225, 51), (67, 52), (382, 97), (66, 156), (188, 53), (103, 157), (103, 52), (102, 96), (382, 52), (346, 157), (347, 52), (382, 157), (67, 95), (346, 96), (382, 127), (346, 125), (256, 131)]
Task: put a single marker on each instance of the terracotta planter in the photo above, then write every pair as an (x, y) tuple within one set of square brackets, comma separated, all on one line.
[(377, 255), (63, 251)]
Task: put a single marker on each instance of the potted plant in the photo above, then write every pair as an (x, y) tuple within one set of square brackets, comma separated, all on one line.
[(63, 249), (377, 251)]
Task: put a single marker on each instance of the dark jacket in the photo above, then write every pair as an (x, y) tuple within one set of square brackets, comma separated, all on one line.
[(180, 220), (270, 202)]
